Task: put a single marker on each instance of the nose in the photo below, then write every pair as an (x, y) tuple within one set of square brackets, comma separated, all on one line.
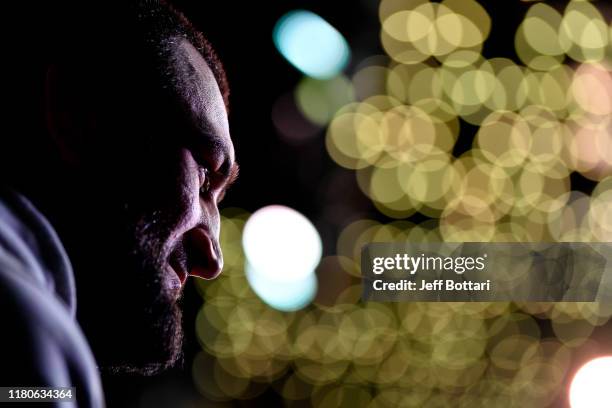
[(204, 256)]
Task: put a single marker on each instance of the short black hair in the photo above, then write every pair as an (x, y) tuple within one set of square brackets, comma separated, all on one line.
[(140, 32), (163, 23)]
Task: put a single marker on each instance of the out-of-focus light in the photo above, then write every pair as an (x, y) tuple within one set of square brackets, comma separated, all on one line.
[(281, 244), (320, 100), (432, 29), (583, 32), (591, 385), (311, 44), (290, 122), (592, 89), (283, 295)]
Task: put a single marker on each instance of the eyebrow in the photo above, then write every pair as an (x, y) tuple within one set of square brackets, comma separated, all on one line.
[(231, 175), (229, 169), (229, 178)]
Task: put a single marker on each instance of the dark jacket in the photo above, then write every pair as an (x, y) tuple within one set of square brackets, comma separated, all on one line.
[(42, 344)]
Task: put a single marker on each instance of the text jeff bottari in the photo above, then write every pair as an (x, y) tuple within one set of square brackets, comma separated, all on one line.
[(438, 284)]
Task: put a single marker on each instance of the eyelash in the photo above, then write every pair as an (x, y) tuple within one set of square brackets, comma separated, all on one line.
[(205, 187)]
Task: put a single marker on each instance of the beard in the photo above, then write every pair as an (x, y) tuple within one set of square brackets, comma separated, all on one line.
[(119, 225), (129, 304)]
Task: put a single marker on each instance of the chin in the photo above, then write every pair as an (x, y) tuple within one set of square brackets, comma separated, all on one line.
[(132, 314), (135, 327), (158, 348)]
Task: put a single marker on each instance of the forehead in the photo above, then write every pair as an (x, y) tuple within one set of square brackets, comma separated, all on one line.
[(199, 93)]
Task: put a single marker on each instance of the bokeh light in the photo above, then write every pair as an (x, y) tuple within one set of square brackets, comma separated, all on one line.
[(591, 385), (285, 295), (289, 121), (446, 143), (311, 44), (281, 244), (319, 100)]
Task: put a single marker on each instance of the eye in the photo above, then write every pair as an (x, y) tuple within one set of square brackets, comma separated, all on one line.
[(205, 181)]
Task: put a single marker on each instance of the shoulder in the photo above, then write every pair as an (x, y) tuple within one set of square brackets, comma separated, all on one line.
[(42, 344)]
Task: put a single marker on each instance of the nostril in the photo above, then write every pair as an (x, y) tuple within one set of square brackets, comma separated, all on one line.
[(204, 260)]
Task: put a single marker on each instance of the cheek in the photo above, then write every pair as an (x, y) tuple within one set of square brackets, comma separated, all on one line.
[(210, 217), (189, 187)]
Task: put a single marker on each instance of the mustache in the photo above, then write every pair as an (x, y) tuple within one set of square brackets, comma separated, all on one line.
[(145, 305), (152, 234)]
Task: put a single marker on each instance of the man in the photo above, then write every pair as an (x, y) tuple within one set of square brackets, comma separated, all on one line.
[(126, 175)]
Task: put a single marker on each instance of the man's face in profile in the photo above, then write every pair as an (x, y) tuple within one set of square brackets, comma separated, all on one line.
[(158, 162)]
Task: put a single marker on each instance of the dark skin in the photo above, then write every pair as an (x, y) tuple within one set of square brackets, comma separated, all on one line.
[(145, 173), (207, 169)]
